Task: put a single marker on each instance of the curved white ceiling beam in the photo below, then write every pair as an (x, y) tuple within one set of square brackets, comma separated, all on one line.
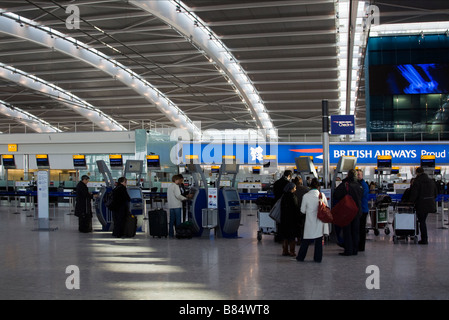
[(26, 118), (178, 15), (21, 27), (75, 103)]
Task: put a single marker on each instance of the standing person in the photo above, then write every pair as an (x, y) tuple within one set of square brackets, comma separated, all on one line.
[(301, 190), (314, 228), (174, 200), (278, 190), (351, 232), (365, 209), (184, 193), (279, 185), (406, 195), (83, 207), (423, 193), (120, 205), (289, 219)]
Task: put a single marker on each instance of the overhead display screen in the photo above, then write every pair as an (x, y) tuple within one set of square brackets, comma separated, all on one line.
[(8, 161), (79, 160), (42, 161), (409, 79), (153, 161), (115, 160)]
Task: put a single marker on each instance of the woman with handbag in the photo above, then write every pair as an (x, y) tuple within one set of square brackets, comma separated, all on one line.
[(351, 231), (289, 219), (314, 228)]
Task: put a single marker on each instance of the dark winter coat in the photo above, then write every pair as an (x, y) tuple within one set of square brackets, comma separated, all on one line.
[(355, 191), (83, 197), (278, 188), (120, 204), (423, 193), (289, 216)]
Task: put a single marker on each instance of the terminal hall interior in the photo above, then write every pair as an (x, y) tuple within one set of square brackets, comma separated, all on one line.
[(230, 95)]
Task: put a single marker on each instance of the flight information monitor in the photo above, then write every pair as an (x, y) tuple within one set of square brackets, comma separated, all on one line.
[(115, 160), (79, 161), (8, 161), (153, 161), (42, 161)]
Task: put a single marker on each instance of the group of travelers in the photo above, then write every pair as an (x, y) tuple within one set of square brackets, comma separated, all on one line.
[(83, 206), (299, 208), (176, 196)]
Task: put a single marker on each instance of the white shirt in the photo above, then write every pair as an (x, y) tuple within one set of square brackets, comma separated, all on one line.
[(174, 196), (314, 227)]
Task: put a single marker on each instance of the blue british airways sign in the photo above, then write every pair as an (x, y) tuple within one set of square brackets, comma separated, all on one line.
[(366, 153), (342, 124)]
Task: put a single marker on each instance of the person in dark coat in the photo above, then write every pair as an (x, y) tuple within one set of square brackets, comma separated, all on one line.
[(406, 195), (279, 185), (289, 219), (278, 190), (120, 206), (365, 210), (83, 207), (301, 190), (351, 232), (423, 193)]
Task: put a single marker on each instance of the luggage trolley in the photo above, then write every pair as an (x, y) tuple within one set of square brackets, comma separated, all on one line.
[(379, 214), (404, 224), (265, 224)]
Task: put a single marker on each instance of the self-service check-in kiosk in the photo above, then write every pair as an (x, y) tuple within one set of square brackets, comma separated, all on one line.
[(305, 167), (200, 197), (104, 215), (136, 205), (229, 208), (345, 163)]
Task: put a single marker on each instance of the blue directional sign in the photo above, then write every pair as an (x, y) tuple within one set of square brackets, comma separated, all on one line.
[(342, 124)]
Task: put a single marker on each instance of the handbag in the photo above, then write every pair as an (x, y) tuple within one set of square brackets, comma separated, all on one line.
[(345, 210), (324, 212), (275, 212)]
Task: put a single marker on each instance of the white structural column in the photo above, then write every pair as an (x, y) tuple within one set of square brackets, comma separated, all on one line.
[(176, 14), (26, 118), (21, 27)]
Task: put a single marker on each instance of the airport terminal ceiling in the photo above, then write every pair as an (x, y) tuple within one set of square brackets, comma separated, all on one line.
[(130, 65)]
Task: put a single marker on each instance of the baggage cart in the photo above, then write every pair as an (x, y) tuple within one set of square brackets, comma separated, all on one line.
[(266, 225), (405, 224), (379, 214), (379, 218)]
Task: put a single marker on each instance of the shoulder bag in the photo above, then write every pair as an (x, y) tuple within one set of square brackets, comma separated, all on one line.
[(324, 212)]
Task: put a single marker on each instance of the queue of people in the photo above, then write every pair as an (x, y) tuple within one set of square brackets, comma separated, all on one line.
[(299, 207)]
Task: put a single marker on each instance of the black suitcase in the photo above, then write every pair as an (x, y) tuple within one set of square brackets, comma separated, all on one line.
[(184, 230), (158, 223), (130, 226)]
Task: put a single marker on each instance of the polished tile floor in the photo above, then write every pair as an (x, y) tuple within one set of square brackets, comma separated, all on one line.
[(33, 265)]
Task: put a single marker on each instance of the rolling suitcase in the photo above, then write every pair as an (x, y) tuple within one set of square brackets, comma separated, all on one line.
[(130, 226), (158, 223)]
